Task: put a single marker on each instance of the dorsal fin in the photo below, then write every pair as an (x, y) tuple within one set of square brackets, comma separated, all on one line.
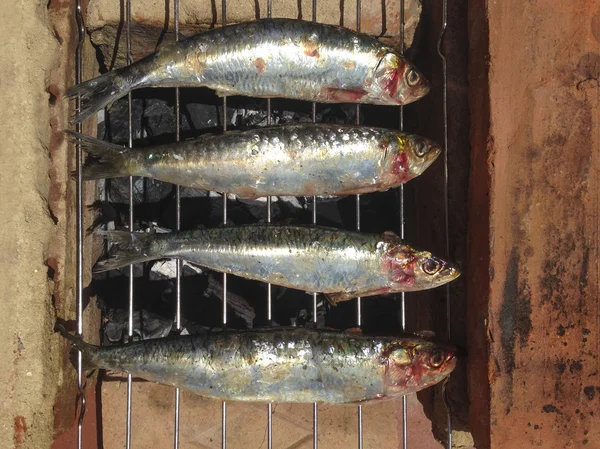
[(424, 334), (165, 44)]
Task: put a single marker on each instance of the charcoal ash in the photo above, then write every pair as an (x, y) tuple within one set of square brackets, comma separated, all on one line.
[(146, 325), (153, 115)]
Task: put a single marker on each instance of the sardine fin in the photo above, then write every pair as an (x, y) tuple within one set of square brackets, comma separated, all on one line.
[(166, 45), (373, 400), (391, 238), (424, 334), (337, 95), (132, 247), (87, 350), (105, 160), (246, 197), (334, 298), (225, 93), (98, 93)]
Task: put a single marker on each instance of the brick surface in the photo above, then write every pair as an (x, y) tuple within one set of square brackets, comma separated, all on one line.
[(200, 425), (533, 329)]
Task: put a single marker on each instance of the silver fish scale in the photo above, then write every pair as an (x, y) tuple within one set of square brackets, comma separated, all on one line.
[(299, 257), (273, 57), (284, 365), (338, 263), (296, 160)]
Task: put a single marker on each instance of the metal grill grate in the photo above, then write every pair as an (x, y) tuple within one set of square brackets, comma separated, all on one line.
[(79, 229)]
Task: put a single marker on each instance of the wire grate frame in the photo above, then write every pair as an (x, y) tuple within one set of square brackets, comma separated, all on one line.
[(79, 228)]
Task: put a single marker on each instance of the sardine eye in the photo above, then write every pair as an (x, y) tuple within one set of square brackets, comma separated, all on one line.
[(412, 77), (431, 266), (436, 358), (420, 148)]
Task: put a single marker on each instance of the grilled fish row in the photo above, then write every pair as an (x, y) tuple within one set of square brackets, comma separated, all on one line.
[(341, 264), (280, 364), (298, 60), (268, 58), (298, 160), (292, 160)]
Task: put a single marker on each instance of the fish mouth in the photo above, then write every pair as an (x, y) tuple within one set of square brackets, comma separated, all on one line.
[(433, 152), (450, 365), (450, 272), (417, 92)]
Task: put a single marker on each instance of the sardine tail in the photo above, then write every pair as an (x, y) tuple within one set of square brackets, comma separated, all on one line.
[(98, 93), (132, 247), (105, 159), (87, 350)]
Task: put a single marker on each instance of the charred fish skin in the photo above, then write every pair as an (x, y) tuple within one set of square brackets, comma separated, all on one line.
[(282, 364), (340, 264), (289, 160), (269, 58)]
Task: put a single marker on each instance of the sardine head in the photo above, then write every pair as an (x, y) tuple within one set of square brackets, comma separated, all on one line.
[(407, 156), (414, 270), (414, 364), (398, 81)]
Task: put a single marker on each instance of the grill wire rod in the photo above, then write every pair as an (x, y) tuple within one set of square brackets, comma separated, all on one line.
[(177, 227), (131, 228), (224, 318), (269, 291), (442, 55), (315, 302), (79, 225), (359, 300), (402, 236)]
